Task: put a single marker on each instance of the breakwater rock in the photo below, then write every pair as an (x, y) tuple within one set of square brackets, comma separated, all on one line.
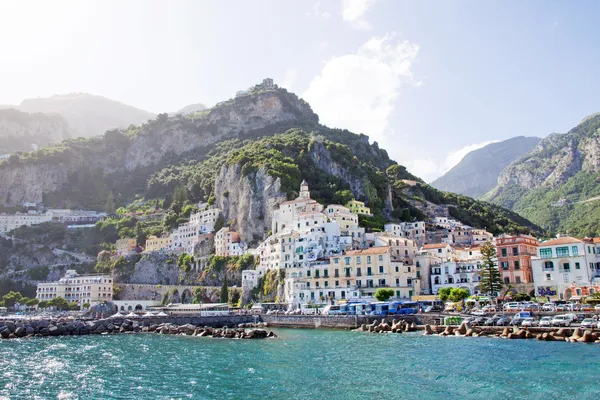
[(11, 329), (576, 335), (384, 326)]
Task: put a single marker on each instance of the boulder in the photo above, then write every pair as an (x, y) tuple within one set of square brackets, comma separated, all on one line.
[(587, 337), (20, 331), (29, 331), (428, 330), (53, 330), (4, 333)]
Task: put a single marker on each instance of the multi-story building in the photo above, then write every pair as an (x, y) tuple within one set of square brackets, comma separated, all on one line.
[(401, 249), (228, 243), (126, 246), (78, 288), (8, 222), (357, 274), (289, 211), (514, 257), (358, 207), (565, 268), (411, 230), (480, 236), (456, 274), (442, 250), (162, 244), (205, 221), (342, 215)]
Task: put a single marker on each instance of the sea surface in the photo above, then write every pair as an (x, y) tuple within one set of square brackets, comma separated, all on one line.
[(300, 364)]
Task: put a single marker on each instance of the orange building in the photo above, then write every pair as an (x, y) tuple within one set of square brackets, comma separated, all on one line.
[(514, 257)]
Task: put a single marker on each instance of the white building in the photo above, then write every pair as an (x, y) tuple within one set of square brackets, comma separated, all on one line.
[(8, 222), (205, 220), (411, 230), (78, 288), (289, 211), (562, 266), (228, 243)]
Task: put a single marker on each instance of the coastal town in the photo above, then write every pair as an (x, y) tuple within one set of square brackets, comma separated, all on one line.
[(326, 258)]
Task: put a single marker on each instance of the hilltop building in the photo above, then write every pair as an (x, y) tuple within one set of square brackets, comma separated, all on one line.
[(358, 207), (126, 246), (228, 243)]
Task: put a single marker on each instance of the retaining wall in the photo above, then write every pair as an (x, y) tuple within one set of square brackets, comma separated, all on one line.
[(326, 321)]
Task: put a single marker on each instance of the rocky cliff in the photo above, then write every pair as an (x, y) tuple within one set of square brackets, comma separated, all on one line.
[(557, 182), (20, 131), (477, 173)]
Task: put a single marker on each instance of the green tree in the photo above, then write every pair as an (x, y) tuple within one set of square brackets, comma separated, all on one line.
[(224, 291), (32, 302), (383, 294), (43, 304), (59, 303), (219, 223), (490, 281), (180, 196), (458, 294), (444, 293), (10, 298), (140, 235), (86, 306), (521, 297)]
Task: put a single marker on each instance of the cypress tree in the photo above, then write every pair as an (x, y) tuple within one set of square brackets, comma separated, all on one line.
[(224, 291)]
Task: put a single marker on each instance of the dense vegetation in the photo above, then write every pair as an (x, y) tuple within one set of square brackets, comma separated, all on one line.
[(564, 199)]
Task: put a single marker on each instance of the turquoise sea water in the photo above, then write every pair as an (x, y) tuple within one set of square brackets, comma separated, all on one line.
[(300, 364)]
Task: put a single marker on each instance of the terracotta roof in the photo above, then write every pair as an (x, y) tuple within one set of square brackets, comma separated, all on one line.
[(596, 240), (434, 246), (562, 240), (371, 250)]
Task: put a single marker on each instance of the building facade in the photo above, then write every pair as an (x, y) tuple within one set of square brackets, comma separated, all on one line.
[(81, 289), (514, 257)]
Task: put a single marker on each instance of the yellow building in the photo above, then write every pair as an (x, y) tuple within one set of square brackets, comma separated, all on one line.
[(126, 246), (358, 207), (77, 288), (154, 243)]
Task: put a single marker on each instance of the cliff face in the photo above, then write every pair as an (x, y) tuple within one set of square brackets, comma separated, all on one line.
[(556, 184), (150, 147), (228, 120), (478, 172), (248, 200), (21, 131)]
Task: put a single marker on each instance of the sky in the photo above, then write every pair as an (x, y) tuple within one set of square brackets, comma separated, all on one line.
[(428, 80)]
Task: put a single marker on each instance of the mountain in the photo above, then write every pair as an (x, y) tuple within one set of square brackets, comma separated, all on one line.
[(477, 173), (557, 184), (192, 108), (88, 115), (245, 155), (21, 131)]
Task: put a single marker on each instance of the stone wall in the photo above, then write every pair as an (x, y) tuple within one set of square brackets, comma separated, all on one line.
[(327, 321)]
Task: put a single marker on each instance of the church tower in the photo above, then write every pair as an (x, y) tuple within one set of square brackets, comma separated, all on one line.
[(304, 192)]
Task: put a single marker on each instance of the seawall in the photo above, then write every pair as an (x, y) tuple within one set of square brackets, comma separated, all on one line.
[(328, 321)]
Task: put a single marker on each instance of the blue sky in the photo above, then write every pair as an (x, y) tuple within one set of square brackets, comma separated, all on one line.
[(428, 80)]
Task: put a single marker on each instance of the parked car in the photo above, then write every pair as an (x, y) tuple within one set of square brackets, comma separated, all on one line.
[(489, 309), (478, 321), (586, 308), (512, 306), (549, 307), (546, 321), (491, 321), (561, 320), (589, 323), (478, 311), (503, 321), (530, 321), (563, 307), (520, 317)]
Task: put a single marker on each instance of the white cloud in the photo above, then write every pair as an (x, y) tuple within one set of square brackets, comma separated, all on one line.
[(353, 12), (323, 45), (289, 79), (358, 91), (317, 11)]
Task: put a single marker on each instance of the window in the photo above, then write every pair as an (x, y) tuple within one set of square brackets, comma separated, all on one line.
[(504, 253), (358, 260), (507, 280), (381, 269), (517, 265), (518, 279), (397, 281), (575, 250), (566, 267), (317, 284), (397, 269), (368, 259), (326, 283), (369, 272), (347, 260), (548, 277), (316, 273), (347, 272), (504, 265), (562, 251), (546, 253), (577, 266), (515, 251), (347, 283), (549, 265), (337, 273), (380, 257), (358, 272), (308, 285), (336, 260), (325, 273), (408, 269), (308, 273)]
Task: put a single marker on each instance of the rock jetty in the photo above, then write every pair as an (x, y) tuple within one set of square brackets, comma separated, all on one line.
[(576, 335), (384, 326), (10, 329)]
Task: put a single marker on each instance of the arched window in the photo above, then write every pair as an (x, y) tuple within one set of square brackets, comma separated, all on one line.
[(548, 265), (436, 281)]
